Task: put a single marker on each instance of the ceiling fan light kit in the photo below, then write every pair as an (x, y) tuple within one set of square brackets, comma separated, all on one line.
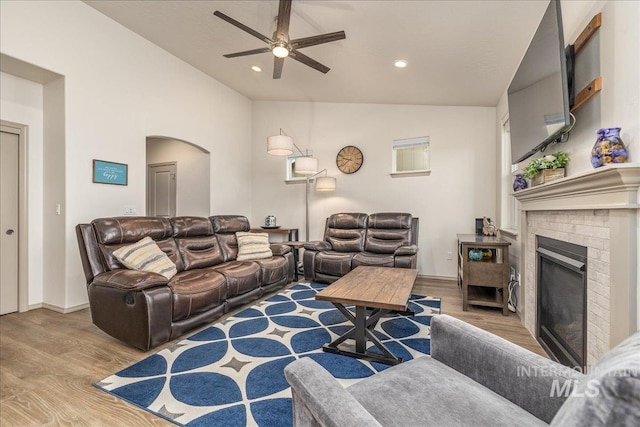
[(280, 45), (280, 49)]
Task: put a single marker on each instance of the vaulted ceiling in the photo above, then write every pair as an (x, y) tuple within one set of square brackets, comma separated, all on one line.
[(458, 52)]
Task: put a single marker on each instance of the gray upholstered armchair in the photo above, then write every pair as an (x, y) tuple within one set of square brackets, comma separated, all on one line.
[(387, 239), (473, 378)]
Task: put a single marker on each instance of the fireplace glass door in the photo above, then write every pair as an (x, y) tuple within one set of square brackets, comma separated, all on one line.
[(562, 300)]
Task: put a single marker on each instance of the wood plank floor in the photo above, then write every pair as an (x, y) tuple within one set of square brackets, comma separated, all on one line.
[(490, 319), (48, 362)]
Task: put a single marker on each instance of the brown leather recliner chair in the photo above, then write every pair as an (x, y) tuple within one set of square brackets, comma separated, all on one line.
[(352, 239), (146, 309)]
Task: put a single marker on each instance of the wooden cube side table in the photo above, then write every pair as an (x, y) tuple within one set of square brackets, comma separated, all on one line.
[(481, 281)]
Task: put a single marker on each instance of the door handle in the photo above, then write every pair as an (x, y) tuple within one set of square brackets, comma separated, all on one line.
[(9, 232)]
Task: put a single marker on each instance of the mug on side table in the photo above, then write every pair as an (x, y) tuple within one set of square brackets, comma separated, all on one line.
[(270, 221)]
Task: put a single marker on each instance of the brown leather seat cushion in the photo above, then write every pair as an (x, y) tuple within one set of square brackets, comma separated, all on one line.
[(195, 291), (334, 263), (272, 270), (242, 276), (378, 260)]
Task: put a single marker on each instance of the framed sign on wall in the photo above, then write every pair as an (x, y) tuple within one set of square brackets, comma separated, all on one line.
[(109, 172)]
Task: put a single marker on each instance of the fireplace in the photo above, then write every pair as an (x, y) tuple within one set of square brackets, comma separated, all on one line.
[(598, 209), (562, 300)]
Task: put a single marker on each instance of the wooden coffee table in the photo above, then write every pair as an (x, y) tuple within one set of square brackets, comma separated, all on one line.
[(381, 289)]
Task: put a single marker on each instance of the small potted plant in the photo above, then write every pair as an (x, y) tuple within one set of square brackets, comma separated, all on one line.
[(547, 168)]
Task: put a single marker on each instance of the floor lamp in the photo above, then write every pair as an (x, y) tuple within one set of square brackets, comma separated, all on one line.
[(324, 184), (283, 145)]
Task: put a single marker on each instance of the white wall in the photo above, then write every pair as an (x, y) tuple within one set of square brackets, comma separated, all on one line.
[(192, 173), (119, 89), (617, 47), (618, 104), (55, 161), (21, 101), (459, 188)]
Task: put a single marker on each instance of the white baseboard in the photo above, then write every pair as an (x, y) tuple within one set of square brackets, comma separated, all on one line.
[(34, 306), (64, 310)]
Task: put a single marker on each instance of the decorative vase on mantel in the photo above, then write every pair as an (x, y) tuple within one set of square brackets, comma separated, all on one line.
[(608, 148), (519, 183)]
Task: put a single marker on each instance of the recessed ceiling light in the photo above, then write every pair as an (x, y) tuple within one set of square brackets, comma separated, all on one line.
[(400, 63), (256, 68)]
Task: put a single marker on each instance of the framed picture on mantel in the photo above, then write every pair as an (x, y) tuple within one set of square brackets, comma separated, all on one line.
[(110, 172)]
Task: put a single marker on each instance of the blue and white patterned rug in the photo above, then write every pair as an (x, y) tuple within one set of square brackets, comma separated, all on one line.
[(231, 374)]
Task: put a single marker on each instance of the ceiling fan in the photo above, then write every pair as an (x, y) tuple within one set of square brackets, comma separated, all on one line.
[(280, 44)]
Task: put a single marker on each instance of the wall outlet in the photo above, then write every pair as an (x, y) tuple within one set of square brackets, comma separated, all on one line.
[(130, 210), (512, 275), (449, 255)]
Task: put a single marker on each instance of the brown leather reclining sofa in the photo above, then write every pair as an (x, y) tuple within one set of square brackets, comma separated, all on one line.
[(145, 309), (351, 239)]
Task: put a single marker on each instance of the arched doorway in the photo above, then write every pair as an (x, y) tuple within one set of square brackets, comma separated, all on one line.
[(178, 177)]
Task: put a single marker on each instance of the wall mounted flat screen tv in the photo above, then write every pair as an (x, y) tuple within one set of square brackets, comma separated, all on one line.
[(538, 95)]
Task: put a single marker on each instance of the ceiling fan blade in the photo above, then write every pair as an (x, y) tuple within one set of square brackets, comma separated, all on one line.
[(243, 27), (301, 57), (278, 63), (248, 52), (284, 16), (314, 40)]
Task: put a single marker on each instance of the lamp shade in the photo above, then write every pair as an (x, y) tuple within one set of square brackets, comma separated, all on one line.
[(280, 145), (306, 165), (325, 184)]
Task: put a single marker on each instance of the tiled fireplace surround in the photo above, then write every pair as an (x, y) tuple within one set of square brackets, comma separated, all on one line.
[(597, 209)]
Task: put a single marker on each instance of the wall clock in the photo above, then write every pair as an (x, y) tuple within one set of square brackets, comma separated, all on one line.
[(349, 159)]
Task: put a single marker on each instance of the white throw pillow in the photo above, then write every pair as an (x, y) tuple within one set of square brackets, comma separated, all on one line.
[(146, 255), (253, 246)]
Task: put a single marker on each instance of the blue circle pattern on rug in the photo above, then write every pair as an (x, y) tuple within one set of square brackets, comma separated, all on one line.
[(231, 373)]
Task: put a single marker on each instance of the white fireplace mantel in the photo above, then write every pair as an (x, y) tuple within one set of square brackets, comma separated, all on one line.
[(609, 187), (598, 209)]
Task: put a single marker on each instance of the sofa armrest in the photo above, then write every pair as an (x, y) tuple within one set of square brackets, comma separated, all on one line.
[(278, 249), (140, 318), (131, 280), (319, 399), (321, 245), (523, 377), (406, 250)]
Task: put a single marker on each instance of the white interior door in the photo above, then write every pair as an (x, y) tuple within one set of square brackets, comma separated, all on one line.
[(161, 187), (9, 163)]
